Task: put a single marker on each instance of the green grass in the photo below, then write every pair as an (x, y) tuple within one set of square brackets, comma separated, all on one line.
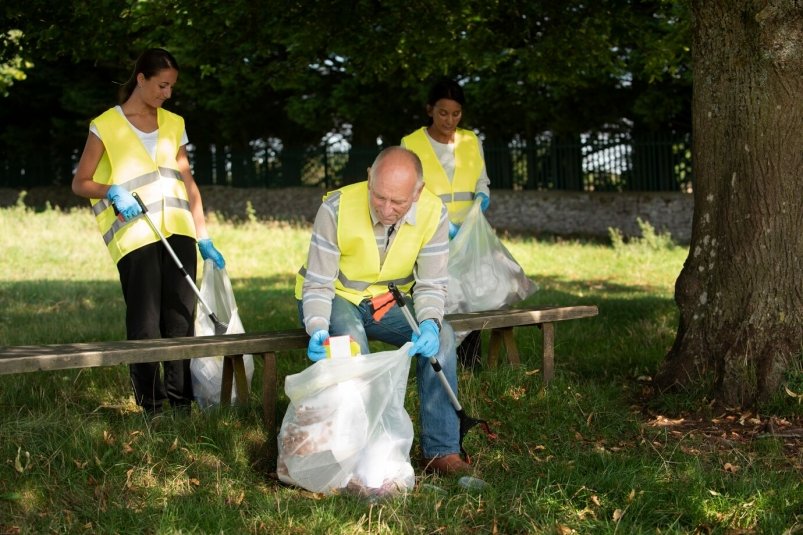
[(77, 456)]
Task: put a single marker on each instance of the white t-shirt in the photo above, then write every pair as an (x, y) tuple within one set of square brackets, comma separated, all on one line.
[(148, 139)]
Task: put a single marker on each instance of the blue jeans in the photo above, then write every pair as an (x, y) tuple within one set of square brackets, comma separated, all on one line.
[(440, 426)]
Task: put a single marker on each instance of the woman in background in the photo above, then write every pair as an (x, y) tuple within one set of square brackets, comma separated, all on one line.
[(139, 147), (454, 169)]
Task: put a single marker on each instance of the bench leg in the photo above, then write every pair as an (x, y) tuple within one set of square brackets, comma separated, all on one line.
[(548, 347), (269, 386), (494, 346), (226, 384), (234, 372), (510, 347), (503, 337)]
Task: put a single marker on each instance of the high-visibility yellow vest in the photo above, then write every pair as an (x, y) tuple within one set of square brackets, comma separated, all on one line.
[(457, 194), (361, 275), (159, 184)]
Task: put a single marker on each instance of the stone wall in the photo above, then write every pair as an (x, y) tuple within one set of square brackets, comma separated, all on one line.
[(591, 214), (558, 213)]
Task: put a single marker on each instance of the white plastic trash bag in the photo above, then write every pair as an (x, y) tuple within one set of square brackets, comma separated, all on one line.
[(483, 275), (207, 372), (346, 426)]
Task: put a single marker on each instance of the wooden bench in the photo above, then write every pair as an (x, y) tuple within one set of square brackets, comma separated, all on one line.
[(19, 359)]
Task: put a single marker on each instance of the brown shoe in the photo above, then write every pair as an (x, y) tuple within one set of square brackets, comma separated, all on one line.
[(447, 465)]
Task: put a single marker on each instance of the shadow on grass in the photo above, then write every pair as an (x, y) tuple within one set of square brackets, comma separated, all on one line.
[(628, 338), (634, 326)]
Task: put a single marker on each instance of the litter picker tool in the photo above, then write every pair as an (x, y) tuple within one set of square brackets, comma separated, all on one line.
[(466, 421), (220, 327)]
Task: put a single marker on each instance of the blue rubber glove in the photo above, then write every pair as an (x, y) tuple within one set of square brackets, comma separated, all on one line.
[(453, 230), (208, 252), (427, 342), (126, 204), (315, 350), (485, 201)]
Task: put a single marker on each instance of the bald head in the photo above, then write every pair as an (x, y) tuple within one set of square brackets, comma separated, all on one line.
[(396, 158), (395, 181)]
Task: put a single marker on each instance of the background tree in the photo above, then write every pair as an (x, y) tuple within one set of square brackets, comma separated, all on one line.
[(286, 76), (740, 292)]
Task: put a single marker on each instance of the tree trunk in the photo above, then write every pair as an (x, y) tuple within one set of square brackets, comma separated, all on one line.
[(740, 292)]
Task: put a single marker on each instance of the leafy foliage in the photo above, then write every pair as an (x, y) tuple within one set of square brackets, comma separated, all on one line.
[(296, 70)]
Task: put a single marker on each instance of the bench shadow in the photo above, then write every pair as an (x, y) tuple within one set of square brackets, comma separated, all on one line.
[(52, 312), (631, 334)]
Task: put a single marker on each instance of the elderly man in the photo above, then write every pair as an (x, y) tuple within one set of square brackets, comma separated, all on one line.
[(366, 235)]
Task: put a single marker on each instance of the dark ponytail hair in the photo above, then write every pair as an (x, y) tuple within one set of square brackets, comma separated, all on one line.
[(445, 88), (149, 63)]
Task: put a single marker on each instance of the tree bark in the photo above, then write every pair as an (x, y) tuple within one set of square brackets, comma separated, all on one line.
[(740, 292)]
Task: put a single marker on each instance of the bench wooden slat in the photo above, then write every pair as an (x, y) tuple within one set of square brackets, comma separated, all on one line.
[(18, 359), (474, 321)]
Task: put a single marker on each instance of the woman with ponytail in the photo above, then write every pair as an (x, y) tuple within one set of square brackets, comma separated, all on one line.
[(139, 147)]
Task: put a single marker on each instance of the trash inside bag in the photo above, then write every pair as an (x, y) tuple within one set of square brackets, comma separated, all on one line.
[(207, 372), (483, 275), (346, 429)]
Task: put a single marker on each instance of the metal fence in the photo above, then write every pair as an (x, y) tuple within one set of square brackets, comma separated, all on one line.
[(598, 162)]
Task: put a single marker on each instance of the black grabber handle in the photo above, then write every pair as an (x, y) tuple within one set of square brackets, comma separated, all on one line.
[(436, 366)]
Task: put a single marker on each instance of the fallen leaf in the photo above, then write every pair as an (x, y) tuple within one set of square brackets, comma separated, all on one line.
[(586, 513), (564, 530), (18, 466), (128, 475), (714, 493), (617, 515), (631, 495), (108, 438), (195, 482), (728, 467), (595, 500), (174, 445), (237, 500)]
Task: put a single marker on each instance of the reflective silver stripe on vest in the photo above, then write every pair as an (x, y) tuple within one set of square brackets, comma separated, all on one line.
[(457, 196), (170, 173), (361, 286), (153, 208), (174, 202), (108, 236), (138, 182)]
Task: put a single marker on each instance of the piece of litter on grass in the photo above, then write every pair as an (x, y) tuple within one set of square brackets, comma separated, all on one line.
[(472, 483)]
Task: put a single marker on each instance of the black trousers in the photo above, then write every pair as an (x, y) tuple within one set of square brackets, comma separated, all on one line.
[(159, 304)]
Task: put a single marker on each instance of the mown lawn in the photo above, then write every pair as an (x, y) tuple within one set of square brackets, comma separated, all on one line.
[(593, 453)]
